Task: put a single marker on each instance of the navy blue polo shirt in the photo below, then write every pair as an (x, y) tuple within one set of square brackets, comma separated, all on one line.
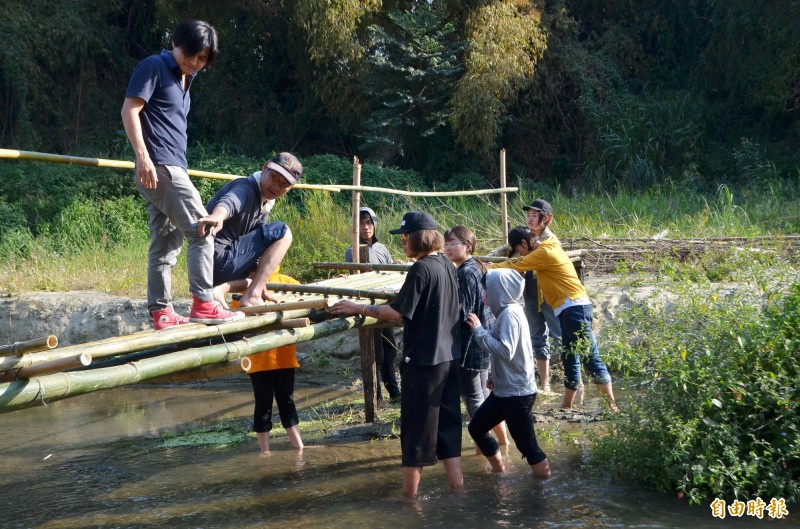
[(157, 80)]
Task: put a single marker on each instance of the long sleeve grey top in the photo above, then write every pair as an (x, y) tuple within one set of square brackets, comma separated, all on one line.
[(508, 341)]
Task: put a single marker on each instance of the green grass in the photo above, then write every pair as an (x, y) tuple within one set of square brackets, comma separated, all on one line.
[(75, 228)]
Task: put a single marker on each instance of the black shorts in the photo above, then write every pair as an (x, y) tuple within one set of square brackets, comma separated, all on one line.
[(241, 257), (430, 414)]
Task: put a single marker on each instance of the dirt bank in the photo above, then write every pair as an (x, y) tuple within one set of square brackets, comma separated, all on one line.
[(83, 316)]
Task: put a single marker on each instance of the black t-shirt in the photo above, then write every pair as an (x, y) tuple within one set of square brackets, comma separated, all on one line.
[(428, 302)]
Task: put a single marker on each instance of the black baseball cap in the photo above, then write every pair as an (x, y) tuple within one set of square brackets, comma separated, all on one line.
[(540, 205), (415, 221)]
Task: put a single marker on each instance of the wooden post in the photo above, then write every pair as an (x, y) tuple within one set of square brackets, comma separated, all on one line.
[(355, 234), (367, 346), (503, 198)]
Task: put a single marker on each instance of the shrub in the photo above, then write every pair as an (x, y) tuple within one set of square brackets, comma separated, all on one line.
[(716, 412)]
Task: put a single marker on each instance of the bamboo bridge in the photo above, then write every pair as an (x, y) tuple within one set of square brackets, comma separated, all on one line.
[(37, 372)]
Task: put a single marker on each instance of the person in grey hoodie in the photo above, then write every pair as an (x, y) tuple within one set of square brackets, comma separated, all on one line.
[(383, 339), (513, 373)]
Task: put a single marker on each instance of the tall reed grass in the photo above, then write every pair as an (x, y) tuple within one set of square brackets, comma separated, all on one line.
[(101, 244)]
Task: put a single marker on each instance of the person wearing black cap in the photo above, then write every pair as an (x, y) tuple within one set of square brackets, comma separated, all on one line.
[(247, 247), (563, 290), (430, 411), (542, 320)]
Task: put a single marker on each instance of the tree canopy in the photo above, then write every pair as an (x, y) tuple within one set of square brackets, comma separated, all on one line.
[(617, 93)]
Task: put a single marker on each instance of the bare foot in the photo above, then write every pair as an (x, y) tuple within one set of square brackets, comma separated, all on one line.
[(579, 394), (249, 299), (270, 296), (220, 297), (541, 469)]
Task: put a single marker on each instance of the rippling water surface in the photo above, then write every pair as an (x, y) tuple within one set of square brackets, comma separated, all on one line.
[(86, 462)]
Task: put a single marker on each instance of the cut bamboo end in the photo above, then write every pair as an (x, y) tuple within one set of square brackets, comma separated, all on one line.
[(30, 346), (62, 364), (246, 364)]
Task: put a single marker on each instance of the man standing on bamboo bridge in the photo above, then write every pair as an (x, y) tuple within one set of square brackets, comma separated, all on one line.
[(154, 114), (248, 248)]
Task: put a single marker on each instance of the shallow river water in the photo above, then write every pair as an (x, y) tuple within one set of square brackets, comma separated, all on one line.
[(86, 462)]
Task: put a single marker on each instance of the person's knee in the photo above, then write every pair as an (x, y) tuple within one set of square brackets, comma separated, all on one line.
[(287, 237)]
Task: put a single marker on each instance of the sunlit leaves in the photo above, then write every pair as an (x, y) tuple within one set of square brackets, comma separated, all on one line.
[(331, 26), (506, 39)]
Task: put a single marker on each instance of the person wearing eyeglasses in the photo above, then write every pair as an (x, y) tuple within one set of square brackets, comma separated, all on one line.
[(459, 246)]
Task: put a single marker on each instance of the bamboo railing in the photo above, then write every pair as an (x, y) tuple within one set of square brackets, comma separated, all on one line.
[(121, 164)]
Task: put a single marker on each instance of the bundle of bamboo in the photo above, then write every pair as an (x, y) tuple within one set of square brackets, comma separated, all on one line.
[(34, 373)]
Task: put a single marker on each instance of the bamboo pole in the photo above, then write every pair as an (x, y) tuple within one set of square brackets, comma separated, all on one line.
[(57, 386), (333, 291), (245, 364), (118, 164), (29, 346), (355, 238), (574, 255), (282, 307), (368, 267), (503, 198), (195, 374), (295, 323), (61, 364), (433, 194), (173, 335), (367, 281), (363, 280)]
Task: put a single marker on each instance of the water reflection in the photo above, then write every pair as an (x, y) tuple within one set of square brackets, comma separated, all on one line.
[(101, 473)]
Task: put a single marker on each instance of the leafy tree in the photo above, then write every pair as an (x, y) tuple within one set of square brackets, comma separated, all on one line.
[(413, 63), (506, 39)]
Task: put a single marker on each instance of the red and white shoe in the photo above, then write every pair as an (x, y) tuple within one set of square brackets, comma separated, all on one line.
[(212, 312), (167, 317)]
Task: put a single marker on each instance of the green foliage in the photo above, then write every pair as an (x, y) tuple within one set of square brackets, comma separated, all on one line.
[(331, 26), (715, 411), (506, 39), (581, 93), (412, 62), (84, 223), (643, 140), (68, 228), (42, 191)]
